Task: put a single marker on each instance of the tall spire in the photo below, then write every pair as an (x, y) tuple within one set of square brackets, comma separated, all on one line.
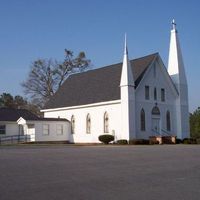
[(177, 73), (175, 63), (126, 74)]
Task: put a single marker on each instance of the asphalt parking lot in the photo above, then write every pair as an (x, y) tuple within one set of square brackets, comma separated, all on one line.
[(99, 172)]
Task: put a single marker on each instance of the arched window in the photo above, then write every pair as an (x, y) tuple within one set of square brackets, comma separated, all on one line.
[(168, 121), (155, 111), (72, 124), (88, 124), (142, 120), (106, 123), (155, 94)]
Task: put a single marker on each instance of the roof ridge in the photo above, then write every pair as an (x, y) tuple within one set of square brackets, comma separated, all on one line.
[(129, 59)]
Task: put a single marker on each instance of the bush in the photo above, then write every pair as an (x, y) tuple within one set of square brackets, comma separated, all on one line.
[(178, 141), (153, 142), (189, 141), (138, 141), (106, 139), (198, 140), (122, 142)]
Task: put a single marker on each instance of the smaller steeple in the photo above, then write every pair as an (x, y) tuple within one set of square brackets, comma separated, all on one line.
[(126, 74), (127, 95)]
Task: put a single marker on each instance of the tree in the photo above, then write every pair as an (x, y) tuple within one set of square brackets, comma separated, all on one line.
[(6, 100), (18, 102), (71, 65), (41, 82), (46, 76), (195, 123)]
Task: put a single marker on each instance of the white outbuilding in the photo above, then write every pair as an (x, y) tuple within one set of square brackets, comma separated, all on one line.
[(20, 125), (45, 129)]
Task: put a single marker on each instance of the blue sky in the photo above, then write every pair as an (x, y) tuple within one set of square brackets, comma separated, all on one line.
[(32, 29)]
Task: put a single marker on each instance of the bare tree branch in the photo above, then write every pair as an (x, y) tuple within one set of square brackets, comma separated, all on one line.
[(47, 75)]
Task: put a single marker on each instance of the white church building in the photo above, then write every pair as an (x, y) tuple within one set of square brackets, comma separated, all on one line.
[(135, 99)]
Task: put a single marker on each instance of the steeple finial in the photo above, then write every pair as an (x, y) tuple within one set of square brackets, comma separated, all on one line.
[(173, 25), (125, 46)]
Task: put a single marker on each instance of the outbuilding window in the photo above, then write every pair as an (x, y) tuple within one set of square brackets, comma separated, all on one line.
[(2, 129), (59, 129), (45, 129)]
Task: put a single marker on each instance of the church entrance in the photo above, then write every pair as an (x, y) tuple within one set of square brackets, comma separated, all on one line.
[(156, 126), (155, 121)]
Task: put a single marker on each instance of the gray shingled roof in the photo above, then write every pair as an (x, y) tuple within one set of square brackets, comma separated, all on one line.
[(12, 114), (98, 85)]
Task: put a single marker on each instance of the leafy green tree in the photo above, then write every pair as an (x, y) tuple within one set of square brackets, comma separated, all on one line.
[(6, 100), (20, 102), (195, 123), (9, 101)]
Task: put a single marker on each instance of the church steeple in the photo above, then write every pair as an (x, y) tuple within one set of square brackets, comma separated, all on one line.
[(175, 63), (176, 71), (126, 75), (127, 92)]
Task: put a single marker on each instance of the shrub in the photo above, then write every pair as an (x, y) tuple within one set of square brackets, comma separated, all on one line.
[(106, 139), (178, 141), (138, 141), (153, 142), (122, 142), (198, 140), (189, 141)]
